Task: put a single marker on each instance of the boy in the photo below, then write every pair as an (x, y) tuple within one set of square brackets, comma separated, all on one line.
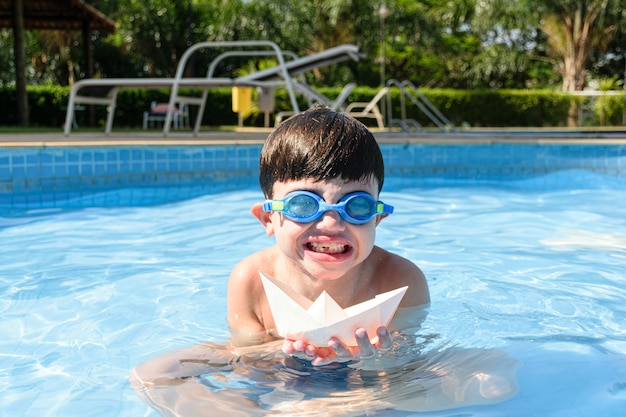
[(316, 159), (321, 173)]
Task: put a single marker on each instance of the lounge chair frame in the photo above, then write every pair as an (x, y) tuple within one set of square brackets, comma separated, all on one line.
[(369, 109), (282, 75)]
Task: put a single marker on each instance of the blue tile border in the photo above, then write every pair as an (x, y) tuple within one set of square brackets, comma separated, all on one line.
[(29, 174), (503, 161), (40, 169)]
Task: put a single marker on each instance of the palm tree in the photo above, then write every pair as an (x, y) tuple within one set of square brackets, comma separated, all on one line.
[(574, 31)]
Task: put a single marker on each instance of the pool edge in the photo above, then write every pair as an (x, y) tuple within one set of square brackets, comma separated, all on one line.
[(249, 137)]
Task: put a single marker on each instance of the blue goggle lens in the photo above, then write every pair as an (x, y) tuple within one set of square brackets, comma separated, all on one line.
[(306, 207), (301, 206), (360, 207)]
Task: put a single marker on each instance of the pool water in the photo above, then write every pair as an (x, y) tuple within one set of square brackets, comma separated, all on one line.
[(533, 267)]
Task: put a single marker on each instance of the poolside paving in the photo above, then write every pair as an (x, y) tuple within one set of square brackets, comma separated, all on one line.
[(257, 136)]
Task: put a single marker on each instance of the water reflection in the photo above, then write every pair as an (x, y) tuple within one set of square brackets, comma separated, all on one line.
[(261, 380)]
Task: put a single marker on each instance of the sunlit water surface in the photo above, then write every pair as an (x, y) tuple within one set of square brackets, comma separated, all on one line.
[(534, 268)]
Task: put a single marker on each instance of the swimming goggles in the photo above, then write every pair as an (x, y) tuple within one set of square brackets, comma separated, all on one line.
[(307, 207)]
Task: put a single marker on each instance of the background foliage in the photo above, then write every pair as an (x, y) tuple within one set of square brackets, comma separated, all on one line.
[(480, 108), (480, 45)]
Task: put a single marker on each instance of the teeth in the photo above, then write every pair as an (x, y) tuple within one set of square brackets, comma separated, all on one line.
[(328, 247)]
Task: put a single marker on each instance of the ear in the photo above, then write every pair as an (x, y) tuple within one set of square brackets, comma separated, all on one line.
[(380, 218), (265, 217)]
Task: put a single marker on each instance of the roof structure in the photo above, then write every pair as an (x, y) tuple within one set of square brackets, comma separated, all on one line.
[(63, 15), (71, 15)]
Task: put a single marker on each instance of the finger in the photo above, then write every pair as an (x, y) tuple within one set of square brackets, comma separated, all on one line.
[(365, 346), (288, 348), (310, 350), (299, 345), (340, 350), (323, 360), (384, 338)]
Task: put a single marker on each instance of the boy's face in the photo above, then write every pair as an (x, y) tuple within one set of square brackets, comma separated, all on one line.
[(329, 247)]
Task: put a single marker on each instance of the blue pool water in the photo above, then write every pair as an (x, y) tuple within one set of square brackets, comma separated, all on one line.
[(527, 260)]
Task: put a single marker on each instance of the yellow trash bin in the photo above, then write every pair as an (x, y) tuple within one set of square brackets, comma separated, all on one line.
[(242, 99)]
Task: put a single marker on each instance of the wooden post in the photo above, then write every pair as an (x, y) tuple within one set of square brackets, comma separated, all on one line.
[(20, 63), (90, 112)]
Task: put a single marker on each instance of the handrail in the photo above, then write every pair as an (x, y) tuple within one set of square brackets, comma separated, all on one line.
[(408, 89), (396, 83), (433, 113)]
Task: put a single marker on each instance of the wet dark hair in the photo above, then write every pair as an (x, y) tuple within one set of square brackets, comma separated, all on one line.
[(321, 144)]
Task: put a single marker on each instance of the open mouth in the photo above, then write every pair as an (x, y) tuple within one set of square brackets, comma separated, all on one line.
[(329, 248)]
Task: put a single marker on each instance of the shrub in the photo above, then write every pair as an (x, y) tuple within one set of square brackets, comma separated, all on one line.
[(477, 108)]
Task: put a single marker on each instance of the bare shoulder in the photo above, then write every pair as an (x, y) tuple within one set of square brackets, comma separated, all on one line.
[(396, 271), (246, 298), (245, 273), (244, 281)]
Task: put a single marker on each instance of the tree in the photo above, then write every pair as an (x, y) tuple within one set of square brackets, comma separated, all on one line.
[(434, 43), (577, 28), (449, 43), (312, 26), (155, 32), (573, 29)]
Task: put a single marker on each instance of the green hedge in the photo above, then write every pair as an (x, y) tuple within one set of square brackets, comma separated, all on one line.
[(46, 105), (476, 108)]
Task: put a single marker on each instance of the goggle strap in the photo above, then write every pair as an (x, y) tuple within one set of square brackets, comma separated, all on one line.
[(274, 205), (382, 208)]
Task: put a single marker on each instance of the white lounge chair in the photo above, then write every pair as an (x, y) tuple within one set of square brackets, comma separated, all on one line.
[(158, 113), (290, 75), (281, 75), (369, 109)]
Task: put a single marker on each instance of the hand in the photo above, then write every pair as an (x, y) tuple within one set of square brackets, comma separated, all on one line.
[(337, 351)]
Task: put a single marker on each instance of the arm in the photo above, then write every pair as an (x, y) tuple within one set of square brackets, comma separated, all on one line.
[(175, 383), (168, 382), (249, 319), (175, 366)]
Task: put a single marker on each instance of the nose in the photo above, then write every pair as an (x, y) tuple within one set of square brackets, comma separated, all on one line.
[(331, 220)]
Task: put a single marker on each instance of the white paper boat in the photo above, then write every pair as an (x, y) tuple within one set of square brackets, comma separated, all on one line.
[(298, 318)]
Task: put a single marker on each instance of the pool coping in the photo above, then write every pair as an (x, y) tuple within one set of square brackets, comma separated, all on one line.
[(45, 169), (257, 136)]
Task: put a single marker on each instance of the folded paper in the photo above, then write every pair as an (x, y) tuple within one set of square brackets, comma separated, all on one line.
[(298, 318)]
